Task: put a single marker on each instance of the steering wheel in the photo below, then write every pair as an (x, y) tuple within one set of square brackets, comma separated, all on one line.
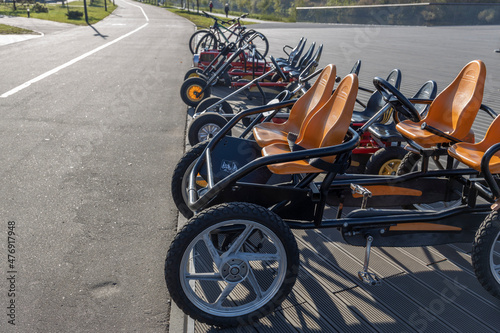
[(393, 96), (278, 68)]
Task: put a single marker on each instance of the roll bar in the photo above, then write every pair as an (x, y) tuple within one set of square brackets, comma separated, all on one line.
[(195, 202)]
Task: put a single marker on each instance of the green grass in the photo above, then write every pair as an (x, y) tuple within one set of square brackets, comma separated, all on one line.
[(9, 30), (58, 12)]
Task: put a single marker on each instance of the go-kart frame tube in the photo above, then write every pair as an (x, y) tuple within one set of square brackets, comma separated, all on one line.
[(254, 81), (257, 163), (211, 66), (226, 65), (485, 169)]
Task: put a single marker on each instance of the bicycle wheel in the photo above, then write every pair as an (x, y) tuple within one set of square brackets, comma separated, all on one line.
[(207, 42), (260, 42), (195, 39), (484, 254), (385, 161), (205, 127), (232, 264)]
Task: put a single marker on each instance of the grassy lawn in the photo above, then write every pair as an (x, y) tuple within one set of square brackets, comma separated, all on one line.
[(199, 19), (58, 13), (9, 30)]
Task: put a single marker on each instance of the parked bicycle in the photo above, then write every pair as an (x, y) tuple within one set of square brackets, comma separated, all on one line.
[(218, 36)]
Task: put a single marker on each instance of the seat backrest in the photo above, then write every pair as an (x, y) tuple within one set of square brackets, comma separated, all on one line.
[(312, 100), (297, 52), (307, 56), (427, 91), (329, 125), (453, 111), (316, 59), (356, 68), (376, 101), (492, 136)]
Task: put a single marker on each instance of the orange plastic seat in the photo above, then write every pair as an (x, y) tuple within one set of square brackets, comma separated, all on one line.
[(453, 111), (471, 153), (269, 133), (327, 127)]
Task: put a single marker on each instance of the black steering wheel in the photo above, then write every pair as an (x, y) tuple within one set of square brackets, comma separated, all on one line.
[(393, 96), (278, 69)]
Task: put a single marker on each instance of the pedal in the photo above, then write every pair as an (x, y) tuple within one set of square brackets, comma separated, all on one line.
[(355, 188), (365, 276), (369, 278)]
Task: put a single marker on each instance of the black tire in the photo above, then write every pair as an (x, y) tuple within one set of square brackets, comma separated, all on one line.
[(193, 72), (180, 178), (385, 161), (205, 127), (486, 243), (261, 43), (247, 121), (221, 227), (221, 108), (408, 164), (195, 38), (192, 85), (276, 78), (207, 42)]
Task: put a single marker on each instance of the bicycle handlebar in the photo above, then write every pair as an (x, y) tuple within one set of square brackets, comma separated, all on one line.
[(225, 22)]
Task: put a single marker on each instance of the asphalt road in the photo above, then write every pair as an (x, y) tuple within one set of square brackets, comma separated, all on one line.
[(91, 128), (421, 53)]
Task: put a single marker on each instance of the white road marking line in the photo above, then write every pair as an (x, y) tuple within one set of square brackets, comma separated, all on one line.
[(71, 62), (143, 13)]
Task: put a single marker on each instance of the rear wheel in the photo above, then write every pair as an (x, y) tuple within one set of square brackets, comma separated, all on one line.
[(180, 179), (194, 90), (205, 127), (232, 264), (485, 254), (385, 161)]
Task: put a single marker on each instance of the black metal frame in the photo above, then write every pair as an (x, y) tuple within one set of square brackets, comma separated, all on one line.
[(314, 195)]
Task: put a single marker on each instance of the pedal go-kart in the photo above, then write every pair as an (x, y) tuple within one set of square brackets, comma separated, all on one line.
[(213, 113), (236, 260), (198, 83)]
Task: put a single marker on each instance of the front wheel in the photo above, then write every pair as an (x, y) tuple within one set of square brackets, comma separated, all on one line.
[(485, 260), (180, 179), (195, 39), (194, 90), (205, 127), (232, 264)]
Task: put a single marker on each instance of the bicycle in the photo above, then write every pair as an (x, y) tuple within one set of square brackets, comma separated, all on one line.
[(218, 36)]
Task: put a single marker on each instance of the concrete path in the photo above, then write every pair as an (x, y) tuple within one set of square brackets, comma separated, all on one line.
[(39, 28)]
